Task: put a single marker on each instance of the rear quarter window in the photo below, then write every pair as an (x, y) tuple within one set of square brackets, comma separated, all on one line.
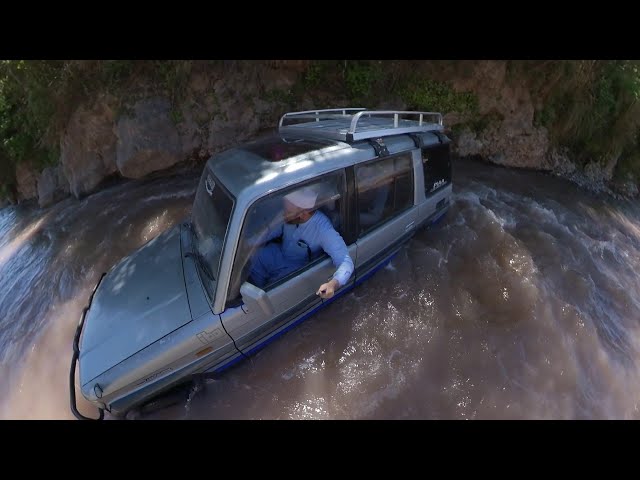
[(384, 190)]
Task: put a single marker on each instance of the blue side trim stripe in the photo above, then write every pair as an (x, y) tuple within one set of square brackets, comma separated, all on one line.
[(383, 264)]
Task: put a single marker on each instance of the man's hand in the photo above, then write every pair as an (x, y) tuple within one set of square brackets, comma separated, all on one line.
[(327, 290)]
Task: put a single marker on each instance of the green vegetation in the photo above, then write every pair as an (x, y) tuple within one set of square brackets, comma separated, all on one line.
[(37, 98), (317, 73), (590, 107), (370, 82), (479, 123), (363, 80), (171, 76), (427, 94), (280, 97)]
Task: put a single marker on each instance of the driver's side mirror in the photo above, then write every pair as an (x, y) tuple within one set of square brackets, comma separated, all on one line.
[(256, 298)]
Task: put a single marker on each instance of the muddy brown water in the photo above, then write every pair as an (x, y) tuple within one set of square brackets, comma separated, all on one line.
[(522, 303)]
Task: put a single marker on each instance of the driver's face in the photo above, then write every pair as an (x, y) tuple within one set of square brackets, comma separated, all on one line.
[(292, 213)]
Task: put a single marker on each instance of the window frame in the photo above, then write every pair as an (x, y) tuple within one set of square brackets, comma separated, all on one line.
[(211, 296), (358, 229), (344, 227)]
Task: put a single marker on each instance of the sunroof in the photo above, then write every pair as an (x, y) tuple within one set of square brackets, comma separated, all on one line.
[(276, 149)]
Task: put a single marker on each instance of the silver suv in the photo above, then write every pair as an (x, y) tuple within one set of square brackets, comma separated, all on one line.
[(203, 295)]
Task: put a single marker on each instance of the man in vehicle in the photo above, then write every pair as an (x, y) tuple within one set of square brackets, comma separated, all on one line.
[(303, 234)]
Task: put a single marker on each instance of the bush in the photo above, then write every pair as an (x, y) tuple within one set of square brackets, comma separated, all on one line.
[(428, 94), (589, 107)]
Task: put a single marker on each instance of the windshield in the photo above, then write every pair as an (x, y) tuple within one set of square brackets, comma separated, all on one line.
[(210, 218)]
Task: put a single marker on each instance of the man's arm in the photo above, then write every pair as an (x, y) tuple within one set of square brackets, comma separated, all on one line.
[(333, 244)]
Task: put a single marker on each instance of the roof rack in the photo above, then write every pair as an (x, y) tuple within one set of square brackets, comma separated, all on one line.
[(352, 124)]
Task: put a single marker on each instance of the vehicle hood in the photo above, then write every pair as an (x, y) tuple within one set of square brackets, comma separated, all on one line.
[(140, 300)]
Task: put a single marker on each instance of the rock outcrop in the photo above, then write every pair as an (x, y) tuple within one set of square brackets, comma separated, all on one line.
[(26, 181), (505, 132), (88, 148), (138, 134), (52, 186), (148, 139)]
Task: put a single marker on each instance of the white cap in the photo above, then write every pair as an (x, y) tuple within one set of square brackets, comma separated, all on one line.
[(304, 197)]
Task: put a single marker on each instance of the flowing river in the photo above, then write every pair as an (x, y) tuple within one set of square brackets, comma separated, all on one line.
[(522, 303)]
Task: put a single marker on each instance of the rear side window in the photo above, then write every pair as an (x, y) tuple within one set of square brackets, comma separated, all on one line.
[(384, 190)]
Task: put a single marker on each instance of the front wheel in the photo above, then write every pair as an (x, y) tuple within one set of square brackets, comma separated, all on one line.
[(175, 396)]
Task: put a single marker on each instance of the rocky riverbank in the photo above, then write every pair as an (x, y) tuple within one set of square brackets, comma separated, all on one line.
[(147, 132)]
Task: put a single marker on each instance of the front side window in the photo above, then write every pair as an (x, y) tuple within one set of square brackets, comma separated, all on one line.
[(266, 256), (210, 218), (385, 189)]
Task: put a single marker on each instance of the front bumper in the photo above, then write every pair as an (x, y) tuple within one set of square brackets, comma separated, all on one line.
[(74, 360)]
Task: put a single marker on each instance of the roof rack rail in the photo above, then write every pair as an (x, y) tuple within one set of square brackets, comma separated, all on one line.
[(317, 115), (353, 124)]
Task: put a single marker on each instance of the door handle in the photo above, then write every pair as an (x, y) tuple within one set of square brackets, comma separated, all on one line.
[(410, 226)]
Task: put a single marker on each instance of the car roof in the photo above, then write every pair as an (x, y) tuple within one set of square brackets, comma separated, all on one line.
[(311, 143), (273, 160)]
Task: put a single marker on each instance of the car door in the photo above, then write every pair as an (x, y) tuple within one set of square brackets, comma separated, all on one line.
[(385, 209), (263, 311)]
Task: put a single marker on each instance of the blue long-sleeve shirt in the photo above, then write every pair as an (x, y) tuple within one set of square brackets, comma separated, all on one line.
[(318, 233)]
